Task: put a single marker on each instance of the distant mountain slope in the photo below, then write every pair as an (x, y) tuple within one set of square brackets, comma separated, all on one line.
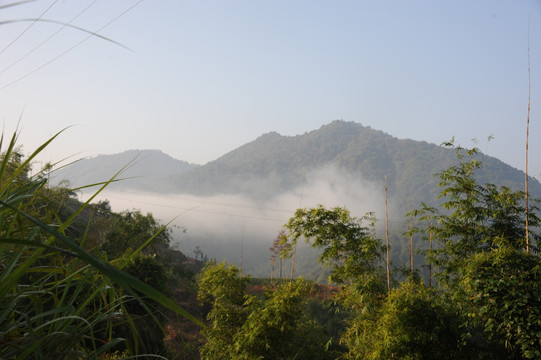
[(283, 168), (144, 169), (273, 164)]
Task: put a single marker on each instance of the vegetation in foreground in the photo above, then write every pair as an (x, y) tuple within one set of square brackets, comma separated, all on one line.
[(486, 303), (74, 279), (81, 282)]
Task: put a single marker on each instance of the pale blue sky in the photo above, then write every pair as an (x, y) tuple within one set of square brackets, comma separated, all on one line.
[(205, 77)]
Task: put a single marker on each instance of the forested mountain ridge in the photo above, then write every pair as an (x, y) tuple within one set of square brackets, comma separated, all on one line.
[(274, 164)]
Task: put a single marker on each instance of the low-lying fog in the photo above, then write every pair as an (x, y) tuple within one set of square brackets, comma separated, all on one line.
[(222, 225)]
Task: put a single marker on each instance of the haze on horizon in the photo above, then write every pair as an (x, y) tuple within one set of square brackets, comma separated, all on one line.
[(202, 78), (221, 224)]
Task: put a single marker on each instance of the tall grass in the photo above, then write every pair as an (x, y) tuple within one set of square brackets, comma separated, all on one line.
[(57, 300)]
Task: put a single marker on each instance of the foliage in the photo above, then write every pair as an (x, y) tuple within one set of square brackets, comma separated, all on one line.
[(331, 315), (348, 247), (285, 163), (504, 290), (131, 230), (354, 255), (279, 327), (56, 299), (146, 324), (275, 326), (49, 303), (414, 322), (482, 257), (221, 286), (474, 218)]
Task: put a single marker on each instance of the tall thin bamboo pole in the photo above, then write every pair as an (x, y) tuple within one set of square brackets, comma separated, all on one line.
[(242, 247), (527, 136), (387, 238), (295, 247), (272, 268), (411, 245), (292, 264), (430, 257)]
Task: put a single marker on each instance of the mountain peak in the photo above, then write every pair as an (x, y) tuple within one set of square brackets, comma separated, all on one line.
[(273, 164), (145, 166)]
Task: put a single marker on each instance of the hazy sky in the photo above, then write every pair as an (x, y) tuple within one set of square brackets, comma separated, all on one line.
[(202, 78)]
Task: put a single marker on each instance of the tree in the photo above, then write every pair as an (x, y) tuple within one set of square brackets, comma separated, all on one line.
[(354, 255), (414, 322), (279, 249), (146, 315), (274, 326), (474, 218), (482, 258), (279, 326), (132, 230), (348, 248), (504, 291), (222, 287)]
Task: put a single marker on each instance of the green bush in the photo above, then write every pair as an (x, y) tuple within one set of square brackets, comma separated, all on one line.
[(57, 301)]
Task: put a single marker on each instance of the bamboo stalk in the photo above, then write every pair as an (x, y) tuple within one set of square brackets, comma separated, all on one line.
[(430, 257), (242, 247), (292, 264), (411, 245), (526, 166), (387, 238)]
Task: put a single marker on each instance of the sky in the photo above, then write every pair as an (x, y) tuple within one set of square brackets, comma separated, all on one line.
[(197, 79)]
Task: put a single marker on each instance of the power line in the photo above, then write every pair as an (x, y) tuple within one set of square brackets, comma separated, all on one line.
[(48, 38), (194, 209), (223, 213), (95, 33), (28, 28), (215, 203)]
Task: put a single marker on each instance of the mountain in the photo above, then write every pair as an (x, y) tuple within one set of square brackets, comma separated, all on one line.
[(273, 164), (275, 174), (142, 169)]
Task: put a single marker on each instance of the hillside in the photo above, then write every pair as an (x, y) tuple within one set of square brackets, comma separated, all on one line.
[(143, 169), (275, 174), (273, 164)]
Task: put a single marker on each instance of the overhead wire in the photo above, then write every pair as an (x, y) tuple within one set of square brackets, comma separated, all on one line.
[(222, 213), (214, 203), (215, 212), (28, 28), (49, 38), (95, 33)]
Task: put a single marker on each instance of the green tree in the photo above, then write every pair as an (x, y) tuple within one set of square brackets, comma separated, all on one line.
[(503, 288), (348, 247), (275, 326), (279, 326), (354, 255), (414, 322), (482, 259), (222, 287), (132, 230), (143, 317), (474, 218)]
